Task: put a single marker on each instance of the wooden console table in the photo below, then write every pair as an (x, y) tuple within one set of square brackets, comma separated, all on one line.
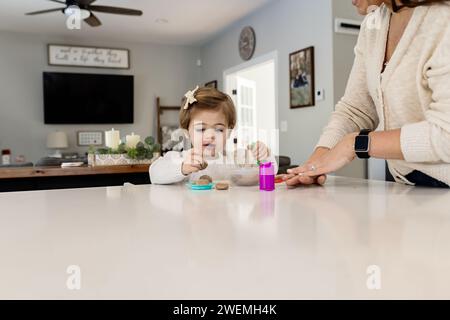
[(45, 178)]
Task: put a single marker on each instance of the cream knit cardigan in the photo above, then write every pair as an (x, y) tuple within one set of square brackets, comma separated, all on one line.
[(413, 93)]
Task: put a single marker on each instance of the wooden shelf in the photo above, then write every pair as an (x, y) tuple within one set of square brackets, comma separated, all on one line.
[(169, 108), (160, 111), (37, 172)]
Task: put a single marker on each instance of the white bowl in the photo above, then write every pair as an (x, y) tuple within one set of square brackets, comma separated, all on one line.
[(245, 176)]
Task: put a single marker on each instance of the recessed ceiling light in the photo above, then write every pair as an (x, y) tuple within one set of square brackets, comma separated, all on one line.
[(162, 21)]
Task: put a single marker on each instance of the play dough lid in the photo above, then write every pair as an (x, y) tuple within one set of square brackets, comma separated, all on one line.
[(200, 187)]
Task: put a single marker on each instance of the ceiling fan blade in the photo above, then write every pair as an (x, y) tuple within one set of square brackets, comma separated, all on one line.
[(115, 10), (85, 2), (93, 21), (43, 11), (57, 1)]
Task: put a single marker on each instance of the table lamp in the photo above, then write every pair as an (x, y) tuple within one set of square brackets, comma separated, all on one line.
[(57, 140)]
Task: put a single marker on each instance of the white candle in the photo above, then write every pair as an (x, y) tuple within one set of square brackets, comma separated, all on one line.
[(112, 139), (132, 140)]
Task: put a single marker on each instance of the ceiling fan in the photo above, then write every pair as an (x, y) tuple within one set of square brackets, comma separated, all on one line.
[(87, 10)]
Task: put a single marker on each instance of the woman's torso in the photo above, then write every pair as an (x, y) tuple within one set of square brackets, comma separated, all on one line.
[(400, 92)]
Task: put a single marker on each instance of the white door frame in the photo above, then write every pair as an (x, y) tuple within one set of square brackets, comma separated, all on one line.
[(271, 56)]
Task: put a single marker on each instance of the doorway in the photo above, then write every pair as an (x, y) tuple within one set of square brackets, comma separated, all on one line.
[(253, 88)]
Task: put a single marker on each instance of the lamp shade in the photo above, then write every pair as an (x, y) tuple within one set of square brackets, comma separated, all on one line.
[(57, 140)]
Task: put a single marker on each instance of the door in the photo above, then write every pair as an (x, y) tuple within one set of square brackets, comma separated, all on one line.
[(246, 112)]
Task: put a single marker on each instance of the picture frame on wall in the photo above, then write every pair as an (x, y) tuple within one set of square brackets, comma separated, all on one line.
[(302, 78), (212, 84), (88, 57)]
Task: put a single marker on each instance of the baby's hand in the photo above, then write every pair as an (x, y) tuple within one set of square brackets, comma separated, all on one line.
[(260, 151), (193, 162)]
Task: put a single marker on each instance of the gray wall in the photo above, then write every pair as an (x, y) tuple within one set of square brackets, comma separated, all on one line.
[(343, 46), (285, 26), (343, 56), (159, 70)]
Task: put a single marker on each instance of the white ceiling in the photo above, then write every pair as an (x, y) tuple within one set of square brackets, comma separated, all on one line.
[(190, 21)]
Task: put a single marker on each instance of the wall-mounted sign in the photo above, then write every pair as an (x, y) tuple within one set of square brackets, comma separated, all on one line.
[(79, 56)]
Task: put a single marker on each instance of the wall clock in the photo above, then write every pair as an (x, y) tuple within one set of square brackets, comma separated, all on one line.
[(247, 43)]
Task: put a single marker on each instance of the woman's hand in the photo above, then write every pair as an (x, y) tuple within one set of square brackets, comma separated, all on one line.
[(259, 151), (330, 161), (294, 179), (193, 162)]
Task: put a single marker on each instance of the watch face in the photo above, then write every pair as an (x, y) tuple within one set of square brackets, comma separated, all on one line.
[(362, 144)]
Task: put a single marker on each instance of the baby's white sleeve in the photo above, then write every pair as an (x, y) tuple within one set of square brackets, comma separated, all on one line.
[(167, 169)]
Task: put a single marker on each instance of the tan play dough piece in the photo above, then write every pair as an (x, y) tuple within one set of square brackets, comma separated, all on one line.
[(205, 177), (222, 186), (202, 182)]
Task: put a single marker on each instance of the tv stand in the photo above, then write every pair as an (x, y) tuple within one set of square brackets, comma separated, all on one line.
[(46, 178)]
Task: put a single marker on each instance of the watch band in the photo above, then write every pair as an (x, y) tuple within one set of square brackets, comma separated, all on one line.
[(362, 152)]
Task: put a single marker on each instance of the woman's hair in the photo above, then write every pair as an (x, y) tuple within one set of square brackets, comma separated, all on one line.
[(412, 3), (212, 99)]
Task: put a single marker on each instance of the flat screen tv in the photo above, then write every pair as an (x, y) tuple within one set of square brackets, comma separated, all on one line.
[(74, 98)]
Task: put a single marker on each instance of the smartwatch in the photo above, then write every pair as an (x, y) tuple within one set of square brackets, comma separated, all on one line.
[(362, 144)]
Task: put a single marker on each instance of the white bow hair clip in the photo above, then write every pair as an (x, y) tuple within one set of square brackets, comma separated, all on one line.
[(190, 98)]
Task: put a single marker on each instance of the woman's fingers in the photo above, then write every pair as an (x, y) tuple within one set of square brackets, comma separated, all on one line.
[(315, 169), (321, 180), (307, 180), (300, 180), (292, 182), (286, 177), (313, 172), (317, 173), (298, 170), (325, 166)]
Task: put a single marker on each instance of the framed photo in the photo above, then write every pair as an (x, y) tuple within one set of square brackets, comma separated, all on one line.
[(212, 84), (89, 138), (92, 57), (301, 78)]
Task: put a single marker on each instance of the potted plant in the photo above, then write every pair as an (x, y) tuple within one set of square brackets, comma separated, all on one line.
[(143, 153)]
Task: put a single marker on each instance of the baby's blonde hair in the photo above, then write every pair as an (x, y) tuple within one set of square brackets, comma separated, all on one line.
[(209, 98)]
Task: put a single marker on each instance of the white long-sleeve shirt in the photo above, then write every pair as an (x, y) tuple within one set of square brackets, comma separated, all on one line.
[(167, 169)]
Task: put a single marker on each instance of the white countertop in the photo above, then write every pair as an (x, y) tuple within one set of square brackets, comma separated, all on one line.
[(167, 242)]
